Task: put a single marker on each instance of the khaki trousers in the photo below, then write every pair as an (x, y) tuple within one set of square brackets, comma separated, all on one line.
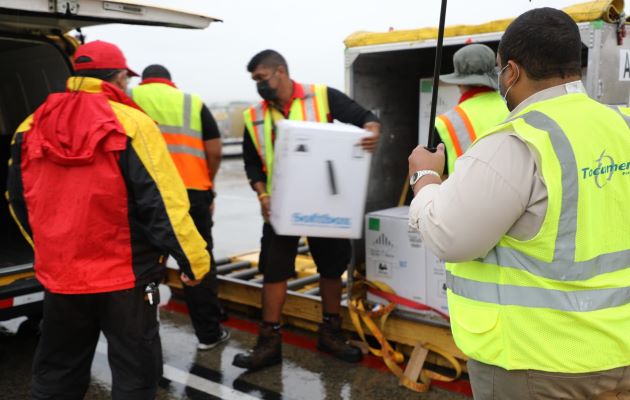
[(494, 383)]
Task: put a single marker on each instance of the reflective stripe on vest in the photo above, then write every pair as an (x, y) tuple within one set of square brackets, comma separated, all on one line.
[(185, 128), (178, 115), (260, 121), (461, 126), (459, 129), (543, 303), (181, 144), (622, 115), (563, 267), (533, 297)]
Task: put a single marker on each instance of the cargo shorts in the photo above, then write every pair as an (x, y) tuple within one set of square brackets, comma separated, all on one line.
[(277, 255)]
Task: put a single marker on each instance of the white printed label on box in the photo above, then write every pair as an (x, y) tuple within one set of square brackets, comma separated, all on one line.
[(384, 269), (302, 147), (415, 240)]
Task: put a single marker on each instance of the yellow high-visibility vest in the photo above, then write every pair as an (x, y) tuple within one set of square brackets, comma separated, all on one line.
[(260, 120), (461, 126), (179, 117), (559, 301)]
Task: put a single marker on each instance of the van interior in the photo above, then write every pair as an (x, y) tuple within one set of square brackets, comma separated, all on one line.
[(29, 71)]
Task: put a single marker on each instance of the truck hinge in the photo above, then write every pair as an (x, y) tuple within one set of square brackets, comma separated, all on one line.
[(67, 7)]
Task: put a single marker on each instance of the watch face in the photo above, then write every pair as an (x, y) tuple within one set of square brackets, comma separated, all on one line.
[(414, 178)]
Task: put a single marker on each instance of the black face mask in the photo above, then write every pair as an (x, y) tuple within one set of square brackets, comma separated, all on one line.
[(266, 92)]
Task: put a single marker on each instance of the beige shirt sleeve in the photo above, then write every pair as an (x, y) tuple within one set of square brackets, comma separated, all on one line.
[(491, 192)]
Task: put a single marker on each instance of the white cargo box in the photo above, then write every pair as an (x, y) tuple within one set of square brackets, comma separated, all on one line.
[(319, 180), (396, 256)]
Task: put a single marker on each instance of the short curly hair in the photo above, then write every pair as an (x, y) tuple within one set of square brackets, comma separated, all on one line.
[(546, 42)]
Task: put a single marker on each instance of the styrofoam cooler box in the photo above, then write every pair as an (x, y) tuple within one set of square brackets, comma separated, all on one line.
[(395, 254), (320, 179), (448, 96)]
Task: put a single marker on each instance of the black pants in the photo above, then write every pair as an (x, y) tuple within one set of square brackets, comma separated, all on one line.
[(70, 332), (202, 300), (277, 255)]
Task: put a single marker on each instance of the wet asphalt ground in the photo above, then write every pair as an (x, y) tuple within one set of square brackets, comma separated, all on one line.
[(305, 373)]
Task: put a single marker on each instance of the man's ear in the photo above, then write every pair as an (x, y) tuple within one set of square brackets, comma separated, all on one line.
[(515, 70), (282, 70)]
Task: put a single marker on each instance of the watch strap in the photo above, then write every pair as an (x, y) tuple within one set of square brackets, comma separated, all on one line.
[(420, 174)]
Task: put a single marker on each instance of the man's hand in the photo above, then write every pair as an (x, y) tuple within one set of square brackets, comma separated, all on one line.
[(187, 281), (212, 208), (265, 207), (422, 159), (370, 143)]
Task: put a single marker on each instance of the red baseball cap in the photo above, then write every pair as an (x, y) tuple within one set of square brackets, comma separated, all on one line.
[(100, 55)]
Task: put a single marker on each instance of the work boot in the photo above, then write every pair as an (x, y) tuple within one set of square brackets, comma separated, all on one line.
[(267, 352), (332, 341)]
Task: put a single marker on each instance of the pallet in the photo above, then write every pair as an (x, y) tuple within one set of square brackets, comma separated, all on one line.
[(240, 286)]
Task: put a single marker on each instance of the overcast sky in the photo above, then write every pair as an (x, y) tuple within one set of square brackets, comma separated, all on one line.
[(309, 34)]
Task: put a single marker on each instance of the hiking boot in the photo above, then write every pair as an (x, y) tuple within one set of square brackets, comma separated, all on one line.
[(332, 341), (223, 337), (267, 352)]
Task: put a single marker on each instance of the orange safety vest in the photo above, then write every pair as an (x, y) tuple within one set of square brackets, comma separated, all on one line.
[(179, 117)]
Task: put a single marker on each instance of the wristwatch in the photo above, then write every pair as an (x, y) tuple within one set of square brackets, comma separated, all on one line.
[(419, 174)]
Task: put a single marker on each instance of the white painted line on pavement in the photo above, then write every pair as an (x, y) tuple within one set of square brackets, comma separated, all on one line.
[(204, 385), (193, 381)]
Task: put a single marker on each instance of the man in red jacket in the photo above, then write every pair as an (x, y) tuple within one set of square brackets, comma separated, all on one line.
[(95, 191)]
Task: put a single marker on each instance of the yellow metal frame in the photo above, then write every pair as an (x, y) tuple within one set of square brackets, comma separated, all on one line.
[(607, 10)]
